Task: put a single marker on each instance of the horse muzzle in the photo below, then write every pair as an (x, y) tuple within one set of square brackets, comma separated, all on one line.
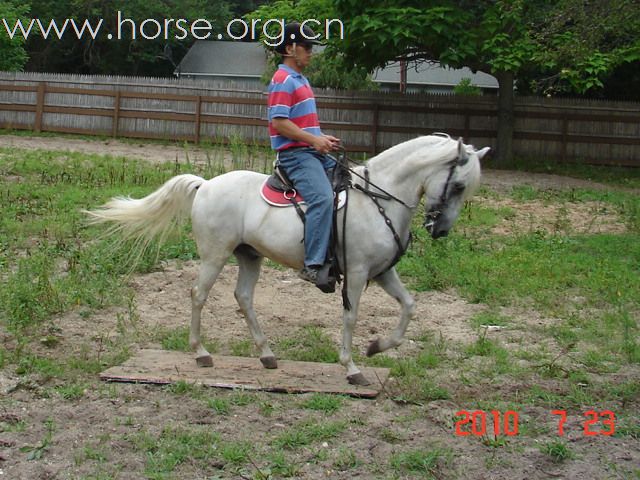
[(431, 223)]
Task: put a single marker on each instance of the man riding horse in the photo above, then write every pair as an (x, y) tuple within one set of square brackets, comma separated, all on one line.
[(300, 144)]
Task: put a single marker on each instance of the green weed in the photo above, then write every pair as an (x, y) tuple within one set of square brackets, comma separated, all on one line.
[(558, 451), (427, 463), (175, 446), (306, 433), (311, 344), (323, 402)]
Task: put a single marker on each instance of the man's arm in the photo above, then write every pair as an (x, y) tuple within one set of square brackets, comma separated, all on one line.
[(286, 128)]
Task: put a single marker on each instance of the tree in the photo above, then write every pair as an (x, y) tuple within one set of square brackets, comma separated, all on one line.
[(581, 44), (13, 55), (137, 56), (500, 37), (328, 69)]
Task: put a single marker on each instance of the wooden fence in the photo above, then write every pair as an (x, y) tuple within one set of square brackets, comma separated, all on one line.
[(564, 130)]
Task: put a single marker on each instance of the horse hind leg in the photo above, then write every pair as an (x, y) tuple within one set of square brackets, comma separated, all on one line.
[(391, 284), (248, 275), (209, 271)]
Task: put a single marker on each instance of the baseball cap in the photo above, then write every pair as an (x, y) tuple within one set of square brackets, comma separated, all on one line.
[(295, 32)]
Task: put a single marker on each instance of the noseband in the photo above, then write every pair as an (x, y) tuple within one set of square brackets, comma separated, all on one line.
[(434, 213)]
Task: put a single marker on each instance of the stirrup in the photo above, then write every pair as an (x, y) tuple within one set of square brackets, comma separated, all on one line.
[(326, 282)]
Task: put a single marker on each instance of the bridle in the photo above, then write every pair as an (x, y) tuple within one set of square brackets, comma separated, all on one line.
[(431, 217), (434, 213)]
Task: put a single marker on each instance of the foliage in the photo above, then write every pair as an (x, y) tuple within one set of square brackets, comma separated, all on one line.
[(118, 56), (578, 42), (465, 87), (328, 68), (12, 52)]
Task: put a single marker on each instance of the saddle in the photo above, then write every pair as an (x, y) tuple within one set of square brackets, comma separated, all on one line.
[(278, 191)]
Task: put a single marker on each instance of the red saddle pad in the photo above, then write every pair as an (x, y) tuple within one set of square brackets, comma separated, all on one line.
[(279, 199)]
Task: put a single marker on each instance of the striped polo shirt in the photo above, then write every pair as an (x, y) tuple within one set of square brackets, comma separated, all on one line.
[(290, 96)]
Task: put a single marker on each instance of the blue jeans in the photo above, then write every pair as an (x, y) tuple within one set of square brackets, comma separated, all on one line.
[(308, 171)]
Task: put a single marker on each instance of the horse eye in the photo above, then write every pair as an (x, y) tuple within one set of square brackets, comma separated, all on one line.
[(458, 187)]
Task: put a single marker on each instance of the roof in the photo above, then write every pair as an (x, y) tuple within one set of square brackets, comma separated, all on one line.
[(249, 60), (228, 59), (434, 74)]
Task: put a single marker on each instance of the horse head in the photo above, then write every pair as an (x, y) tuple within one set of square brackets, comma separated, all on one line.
[(448, 188)]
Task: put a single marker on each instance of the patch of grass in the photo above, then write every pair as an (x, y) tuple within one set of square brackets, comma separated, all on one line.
[(479, 216), (558, 451), (236, 453), (281, 466), (182, 387), (46, 367), (36, 452), (323, 402), (627, 426), (310, 344), (546, 270), (346, 459), (73, 391), (391, 436), (427, 463), (308, 432), (49, 260), (177, 339), (219, 405), (489, 317), (612, 175), (241, 348), (414, 382), (242, 397), (175, 446)]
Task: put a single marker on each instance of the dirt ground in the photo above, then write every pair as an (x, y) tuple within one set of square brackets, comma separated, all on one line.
[(106, 417)]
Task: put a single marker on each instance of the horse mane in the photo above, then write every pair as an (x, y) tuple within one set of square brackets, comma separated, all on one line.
[(430, 148)]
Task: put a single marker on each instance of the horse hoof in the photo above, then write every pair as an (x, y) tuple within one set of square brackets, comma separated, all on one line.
[(269, 362), (204, 361), (374, 347), (358, 379)]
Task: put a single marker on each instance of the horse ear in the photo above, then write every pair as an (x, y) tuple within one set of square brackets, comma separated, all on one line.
[(463, 156), (481, 153)]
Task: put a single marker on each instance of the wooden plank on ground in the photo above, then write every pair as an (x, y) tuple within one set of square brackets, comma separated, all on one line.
[(166, 367)]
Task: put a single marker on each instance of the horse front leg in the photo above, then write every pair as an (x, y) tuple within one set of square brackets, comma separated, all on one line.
[(391, 284), (356, 283)]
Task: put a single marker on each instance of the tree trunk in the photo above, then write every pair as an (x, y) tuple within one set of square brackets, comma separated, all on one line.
[(504, 150)]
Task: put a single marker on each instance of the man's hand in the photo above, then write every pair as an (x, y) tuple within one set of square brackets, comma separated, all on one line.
[(326, 143), (323, 144)]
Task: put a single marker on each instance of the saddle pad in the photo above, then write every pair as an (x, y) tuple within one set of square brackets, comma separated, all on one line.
[(282, 199)]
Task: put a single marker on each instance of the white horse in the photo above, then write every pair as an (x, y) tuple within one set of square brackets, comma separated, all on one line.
[(229, 217)]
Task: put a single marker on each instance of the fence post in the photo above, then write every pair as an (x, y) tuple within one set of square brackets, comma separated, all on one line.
[(374, 129), (116, 115), (565, 132), (42, 86), (198, 116)]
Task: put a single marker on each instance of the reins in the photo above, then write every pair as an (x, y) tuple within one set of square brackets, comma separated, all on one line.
[(384, 195), (344, 160)]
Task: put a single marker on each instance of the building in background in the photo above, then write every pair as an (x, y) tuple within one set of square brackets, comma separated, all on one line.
[(247, 62)]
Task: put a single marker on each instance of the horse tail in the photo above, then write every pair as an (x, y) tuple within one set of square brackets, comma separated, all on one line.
[(153, 216)]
